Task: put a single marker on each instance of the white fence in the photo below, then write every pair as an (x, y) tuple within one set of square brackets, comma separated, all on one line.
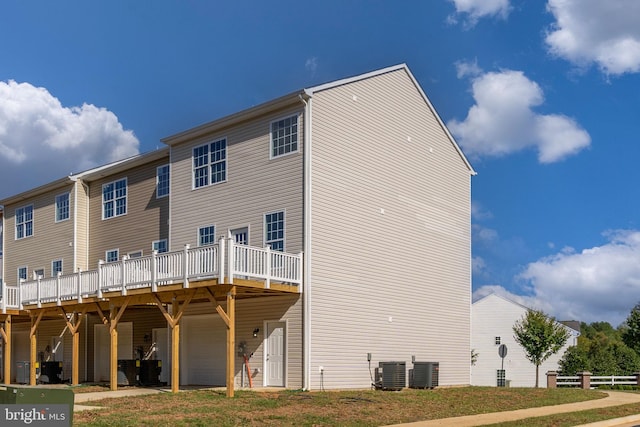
[(224, 261), (586, 380)]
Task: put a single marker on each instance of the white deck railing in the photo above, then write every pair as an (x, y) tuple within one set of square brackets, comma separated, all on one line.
[(225, 261)]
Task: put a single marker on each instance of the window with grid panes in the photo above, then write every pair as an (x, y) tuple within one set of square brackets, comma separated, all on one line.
[(114, 198), (24, 222), (284, 136), (274, 230), (62, 207), (210, 163)]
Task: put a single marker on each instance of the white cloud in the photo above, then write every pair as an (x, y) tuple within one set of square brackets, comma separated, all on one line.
[(311, 65), (595, 31), (503, 121), (597, 284), (478, 212), (467, 69), (476, 9), (41, 140)]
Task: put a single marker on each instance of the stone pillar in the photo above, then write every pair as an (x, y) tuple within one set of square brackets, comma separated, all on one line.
[(585, 380), (552, 379), (637, 374)]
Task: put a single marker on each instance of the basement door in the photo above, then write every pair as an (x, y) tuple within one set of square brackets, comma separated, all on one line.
[(102, 348), (203, 350), (275, 354)]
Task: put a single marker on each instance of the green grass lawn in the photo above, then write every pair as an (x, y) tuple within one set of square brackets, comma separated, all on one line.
[(344, 408)]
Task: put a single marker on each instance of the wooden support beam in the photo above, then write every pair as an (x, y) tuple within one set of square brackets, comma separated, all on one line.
[(35, 322), (6, 336), (73, 323), (231, 341), (173, 320), (115, 314), (113, 358), (175, 353)]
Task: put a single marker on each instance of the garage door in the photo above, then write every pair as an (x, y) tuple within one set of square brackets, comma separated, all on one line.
[(203, 350)]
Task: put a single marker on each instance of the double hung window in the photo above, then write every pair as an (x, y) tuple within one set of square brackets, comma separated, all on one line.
[(210, 163), (162, 181), (24, 222), (62, 207), (284, 136), (274, 230), (114, 199)]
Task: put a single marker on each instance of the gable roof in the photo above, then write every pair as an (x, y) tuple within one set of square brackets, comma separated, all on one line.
[(492, 295), (294, 98)]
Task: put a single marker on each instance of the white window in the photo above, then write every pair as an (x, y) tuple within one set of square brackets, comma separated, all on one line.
[(112, 255), (114, 199), (206, 235), (274, 230), (56, 267), (162, 181), (24, 222), (210, 163), (284, 136), (160, 246), (136, 254), (38, 273), (62, 207), (22, 273)]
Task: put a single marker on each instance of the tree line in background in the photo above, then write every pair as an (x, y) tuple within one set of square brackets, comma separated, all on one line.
[(604, 350)]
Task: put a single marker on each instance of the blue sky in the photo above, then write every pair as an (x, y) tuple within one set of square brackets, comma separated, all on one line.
[(543, 97)]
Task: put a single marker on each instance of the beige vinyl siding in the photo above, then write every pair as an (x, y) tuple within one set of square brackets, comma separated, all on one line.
[(255, 185), (251, 314), (390, 237), (82, 226), (146, 219), (50, 241)]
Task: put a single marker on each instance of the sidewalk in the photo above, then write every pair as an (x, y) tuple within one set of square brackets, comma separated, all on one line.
[(80, 398), (615, 398)]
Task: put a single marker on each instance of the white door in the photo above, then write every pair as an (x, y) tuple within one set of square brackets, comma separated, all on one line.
[(161, 341), (203, 350), (275, 355), (102, 346), (241, 235)]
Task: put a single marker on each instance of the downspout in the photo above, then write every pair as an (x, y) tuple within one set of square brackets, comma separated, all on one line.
[(75, 223), (306, 282)]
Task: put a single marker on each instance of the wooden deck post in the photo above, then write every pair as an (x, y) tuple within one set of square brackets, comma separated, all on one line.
[(35, 321), (6, 336), (114, 317), (175, 352), (73, 323), (113, 359), (173, 320)]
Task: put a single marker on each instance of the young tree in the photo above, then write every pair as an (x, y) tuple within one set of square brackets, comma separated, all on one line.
[(631, 329), (540, 336)]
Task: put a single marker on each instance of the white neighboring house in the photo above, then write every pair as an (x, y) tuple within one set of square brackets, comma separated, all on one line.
[(492, 320)]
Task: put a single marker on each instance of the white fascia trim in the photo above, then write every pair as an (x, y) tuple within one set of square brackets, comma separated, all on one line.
[(310, 91), (440, 122)]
